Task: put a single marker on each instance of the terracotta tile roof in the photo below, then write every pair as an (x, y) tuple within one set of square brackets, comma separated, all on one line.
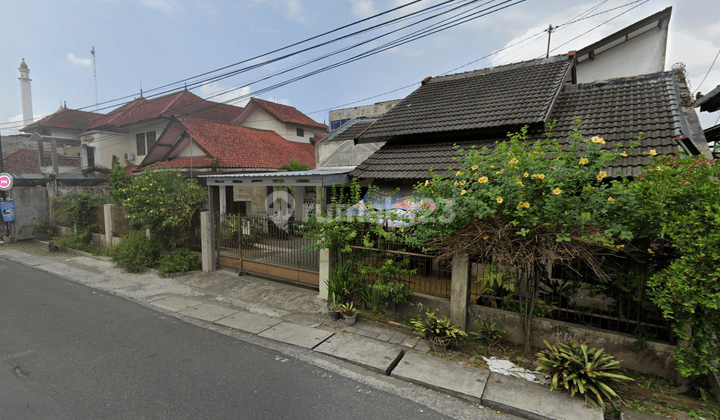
[(242, 147), (179, 104), (617, 110), (286, 114), (66, 118), (184, 162), (512, 95), (25, 161)]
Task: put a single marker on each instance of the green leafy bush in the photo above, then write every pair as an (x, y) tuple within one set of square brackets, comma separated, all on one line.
[(180, 260), (163, 201), (588, 372), (136, 251), (679, 211), (76, 240), (489, 333), (437, 329)]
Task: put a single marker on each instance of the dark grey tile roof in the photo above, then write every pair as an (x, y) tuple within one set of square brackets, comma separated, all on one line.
[(516, 94), (349, 130), (617, 110)]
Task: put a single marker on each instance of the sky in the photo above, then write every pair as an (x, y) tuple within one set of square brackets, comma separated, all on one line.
[(147, 44)]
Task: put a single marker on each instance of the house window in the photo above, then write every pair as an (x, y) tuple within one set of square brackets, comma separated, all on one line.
[(140, 142), (300, 132), (150, 137), (144, 142), (91, 156)]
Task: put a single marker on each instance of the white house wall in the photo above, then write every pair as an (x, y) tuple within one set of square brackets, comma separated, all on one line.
[(261, 120), (106, 145), (196, 151), (641, 54)]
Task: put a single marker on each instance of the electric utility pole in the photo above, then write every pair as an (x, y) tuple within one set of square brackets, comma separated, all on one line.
[(549, 30)]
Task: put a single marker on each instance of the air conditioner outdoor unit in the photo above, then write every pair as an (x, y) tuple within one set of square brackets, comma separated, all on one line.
[(129, 157)]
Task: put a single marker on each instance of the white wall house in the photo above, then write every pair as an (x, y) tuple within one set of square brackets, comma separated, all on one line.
[(285, 120)]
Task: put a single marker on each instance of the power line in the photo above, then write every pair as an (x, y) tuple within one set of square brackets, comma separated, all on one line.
[(434, 28), (708, 72), (607, 21), (255, 66)]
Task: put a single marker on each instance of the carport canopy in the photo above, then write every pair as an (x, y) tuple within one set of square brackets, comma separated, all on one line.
[(312, 178)]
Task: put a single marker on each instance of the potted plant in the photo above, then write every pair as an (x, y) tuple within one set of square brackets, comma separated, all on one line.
[(348, 311), (438, 331), (334, 312)]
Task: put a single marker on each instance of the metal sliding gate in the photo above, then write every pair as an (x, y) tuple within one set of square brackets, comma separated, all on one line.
[(268, 247)]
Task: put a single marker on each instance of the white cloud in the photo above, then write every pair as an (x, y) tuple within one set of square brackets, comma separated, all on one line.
[(213, 91), (363, 8), (205, 7), (166, 6), (79, 61)]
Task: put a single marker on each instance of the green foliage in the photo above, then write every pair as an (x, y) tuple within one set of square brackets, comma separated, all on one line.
[(179, 260), (589, 372), (80, 209), (488, 332), (528, 184), (679, 202), (136, 251), (79, 239), (493, 278), (163, 201), (44, 228), (347, 309), (344, 283), (294, 166), (437, 329), (393, 291)]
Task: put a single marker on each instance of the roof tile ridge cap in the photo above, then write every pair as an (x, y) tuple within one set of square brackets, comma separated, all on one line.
[(174, 100), (495, 69), (366, 129)]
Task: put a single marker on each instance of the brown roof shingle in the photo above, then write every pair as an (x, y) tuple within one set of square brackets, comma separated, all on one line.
[(66, 118), (184, 103), (512, 95)]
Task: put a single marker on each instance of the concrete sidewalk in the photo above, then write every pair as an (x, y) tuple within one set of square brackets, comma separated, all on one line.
[(296, 316)]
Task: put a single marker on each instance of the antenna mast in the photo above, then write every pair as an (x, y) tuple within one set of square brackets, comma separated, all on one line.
[(92, 51)]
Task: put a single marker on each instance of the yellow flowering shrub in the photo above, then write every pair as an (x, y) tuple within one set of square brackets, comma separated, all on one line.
[(523, 182)]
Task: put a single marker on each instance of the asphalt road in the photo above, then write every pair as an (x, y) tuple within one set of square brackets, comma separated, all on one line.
[(71, 352)]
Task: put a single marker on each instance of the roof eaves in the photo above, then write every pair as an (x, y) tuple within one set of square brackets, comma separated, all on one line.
[(657, 17)]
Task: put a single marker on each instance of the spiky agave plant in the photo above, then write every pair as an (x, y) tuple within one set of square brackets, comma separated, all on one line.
[(589, 372)]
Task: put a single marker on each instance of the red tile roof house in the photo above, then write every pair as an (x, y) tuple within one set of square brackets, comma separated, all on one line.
[(207, 147), (129, 131), (25, 161), (285, 120)]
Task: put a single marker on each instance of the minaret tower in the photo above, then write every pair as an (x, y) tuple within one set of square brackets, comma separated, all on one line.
[(25, 93)]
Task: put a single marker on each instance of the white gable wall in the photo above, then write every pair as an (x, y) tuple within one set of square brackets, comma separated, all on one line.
[(640, 54), (261, 120)]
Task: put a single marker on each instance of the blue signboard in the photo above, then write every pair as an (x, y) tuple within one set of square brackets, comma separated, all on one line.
[(7, 209)]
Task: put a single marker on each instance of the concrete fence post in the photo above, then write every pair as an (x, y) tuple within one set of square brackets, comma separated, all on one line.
[(324, 273), (459, 289), (208, 262), (107, 210)]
